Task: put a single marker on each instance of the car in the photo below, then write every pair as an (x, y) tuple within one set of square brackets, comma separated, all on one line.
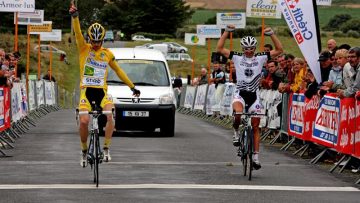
[(109, 36), (178, 57), (144, 45), (155, 108), (140, 38), (177, 47), (164, 48), (45, 48)]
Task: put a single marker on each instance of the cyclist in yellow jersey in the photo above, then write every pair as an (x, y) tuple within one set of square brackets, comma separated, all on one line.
[(94, 60)]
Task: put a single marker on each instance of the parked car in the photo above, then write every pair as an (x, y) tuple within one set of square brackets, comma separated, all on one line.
[(45, 48), (164, 48), (144, 45), (177, 47), (178, 57), (155, 108), (140, 38), (109, 36)]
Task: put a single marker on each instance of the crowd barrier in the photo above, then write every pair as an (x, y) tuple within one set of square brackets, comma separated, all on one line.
[(19, 110), (329, 122)]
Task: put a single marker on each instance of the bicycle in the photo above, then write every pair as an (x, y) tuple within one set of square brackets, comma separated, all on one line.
[(95, 155), (246, 140)]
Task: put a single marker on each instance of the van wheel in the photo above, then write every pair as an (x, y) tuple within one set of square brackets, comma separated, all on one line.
[(168, 130), (182, 51)]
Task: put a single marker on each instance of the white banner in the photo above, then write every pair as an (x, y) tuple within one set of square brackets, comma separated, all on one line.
[(32, 18), (210, 99), (32, 104), (219, 92), (40, 92), (53, 93), (226, 100), (299, 16), (194, 39), (54, 36), (16, 99), (17, 6), (200, 97), (189, 97), (2, 108), (323, 2), (237, 19), (48, 93), (24, 101), (208, 31), (264, 8)]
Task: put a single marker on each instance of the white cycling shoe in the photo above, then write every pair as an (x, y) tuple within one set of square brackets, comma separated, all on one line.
[(83, 159), (236, 138), (107, 156), (256, 162)]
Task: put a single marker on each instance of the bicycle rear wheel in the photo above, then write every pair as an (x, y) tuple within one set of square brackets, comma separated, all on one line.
[(250, 147)]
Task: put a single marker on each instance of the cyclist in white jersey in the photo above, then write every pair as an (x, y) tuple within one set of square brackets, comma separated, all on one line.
[(248, 67)]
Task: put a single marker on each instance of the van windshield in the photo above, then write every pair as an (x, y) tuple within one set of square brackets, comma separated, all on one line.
[(142, 73)]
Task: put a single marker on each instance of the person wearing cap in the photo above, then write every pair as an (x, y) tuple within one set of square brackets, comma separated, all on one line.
[(354, 60), (325, 65)]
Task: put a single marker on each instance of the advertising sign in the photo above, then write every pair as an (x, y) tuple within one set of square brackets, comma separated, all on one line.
[(30, 18), (297, 110), (263, 8), (323, 2), (194, 39), (208, 31), (17, 5), (38, 29), (327, 121), (237, 19), (54, 36), (200, 98), (299, 15), (347, 129)]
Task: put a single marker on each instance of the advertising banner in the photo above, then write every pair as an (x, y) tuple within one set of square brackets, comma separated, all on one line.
[(32, 18), (311, 108), (54, 36), (31, 96), (40, 92), (357, 131), (327, 121), (17, 6), (2, 109), (16, 99), (7, 103), (323, 2), (226, 100), (24, 103), (189, 97), (299, 15), (273, 101), (347, 130), (210, 99), (38, 29), (237, 19), (48, 93), (194, 39), (296, 116), (208, 31), (263, 8), (200, 97)]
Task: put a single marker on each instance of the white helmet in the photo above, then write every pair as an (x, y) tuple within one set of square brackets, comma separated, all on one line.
[(248, 41)]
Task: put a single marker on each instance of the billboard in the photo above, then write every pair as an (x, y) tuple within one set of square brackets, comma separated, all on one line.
[(194, 39), (263, 8), (31, 18), (208, 31), (17, 6), (237, 19), (54, 36), (323, 2), (38, 29)]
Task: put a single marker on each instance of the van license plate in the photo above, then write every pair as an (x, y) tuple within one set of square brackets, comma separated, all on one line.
[(136, 114)]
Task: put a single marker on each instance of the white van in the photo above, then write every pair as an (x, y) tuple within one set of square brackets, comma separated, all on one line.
[(155, 108)]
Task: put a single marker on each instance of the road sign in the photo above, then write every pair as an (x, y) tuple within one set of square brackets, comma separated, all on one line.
[(54, 36), (17, 6), (37, 29), (31, 18), (237, 19)]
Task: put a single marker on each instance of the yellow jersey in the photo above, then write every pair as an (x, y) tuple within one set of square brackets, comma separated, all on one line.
[(94, 64)]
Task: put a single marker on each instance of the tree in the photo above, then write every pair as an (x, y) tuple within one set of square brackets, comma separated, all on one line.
[(154, 16), (336, 22)]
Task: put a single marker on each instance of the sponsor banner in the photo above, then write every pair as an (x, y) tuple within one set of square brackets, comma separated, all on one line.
[(219, 92), (208, 31), (296, 116), (17, 6), (237, 19), (24, 103), (194, 39), (30, 18), (226, 100), (40, 92), (327, 121), (54, 36), (48, 93), (2, 109), (263, 8), (299, 15), (311, 108), (53, 93), (323, 2), (32, 104), (200, 97), (38, 29), (16, 99), (7, 103), (210, 99), (357, 131), (347, 130), (189, 97), (273, 101)]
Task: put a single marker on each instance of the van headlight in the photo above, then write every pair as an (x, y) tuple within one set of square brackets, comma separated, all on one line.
[(166, 98)]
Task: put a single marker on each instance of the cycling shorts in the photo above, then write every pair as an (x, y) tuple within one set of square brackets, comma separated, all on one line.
[(249, 100), (89, 94)]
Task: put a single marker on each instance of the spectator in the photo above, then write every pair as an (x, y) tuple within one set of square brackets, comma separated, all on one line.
[(203, 78), (331, 45), (47, 77), (325, 65), (268, 47), (311, 85), (218, 75), (354, 61), (299, 69), (272, 80), (336, 74), (345, 46)]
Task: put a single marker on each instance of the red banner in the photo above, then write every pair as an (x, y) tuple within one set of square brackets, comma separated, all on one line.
[(357, 131), (346, 138), (7, 102), (311, 108)]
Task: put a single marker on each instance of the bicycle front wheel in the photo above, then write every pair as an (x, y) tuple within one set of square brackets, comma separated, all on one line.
[(97, 160), (250, 147), (243, 151)]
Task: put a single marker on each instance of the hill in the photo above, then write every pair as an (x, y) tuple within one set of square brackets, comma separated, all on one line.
[(216, 4)]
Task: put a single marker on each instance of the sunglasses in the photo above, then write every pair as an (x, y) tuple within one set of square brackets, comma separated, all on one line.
[(249, 48), (95, 42)]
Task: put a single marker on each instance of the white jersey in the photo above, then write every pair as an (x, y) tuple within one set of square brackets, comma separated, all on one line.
[(248, 70)]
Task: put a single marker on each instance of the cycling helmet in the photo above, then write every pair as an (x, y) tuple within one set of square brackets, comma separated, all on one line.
[(96, 32), (248, 41)]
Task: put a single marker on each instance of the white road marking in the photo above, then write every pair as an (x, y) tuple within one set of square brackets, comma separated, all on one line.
[(180, 186)]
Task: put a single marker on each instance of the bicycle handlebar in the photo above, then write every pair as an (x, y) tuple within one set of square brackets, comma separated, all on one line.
[(95, 112)]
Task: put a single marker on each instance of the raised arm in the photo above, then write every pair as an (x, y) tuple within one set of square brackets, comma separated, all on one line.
[(220, 45), (80, 41), (278, 46)]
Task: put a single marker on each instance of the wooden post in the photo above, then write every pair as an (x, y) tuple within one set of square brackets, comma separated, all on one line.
[(27, 60), (50, 68), (209, 58), (16, 39), (193, 62), (262, 35), (39, 59), (231, 48)]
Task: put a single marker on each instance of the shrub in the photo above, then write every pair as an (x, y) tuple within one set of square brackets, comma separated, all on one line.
[(248, 31), (180, 32), (338, 34), (353, 33), (353, 24), (285, 32), (336, 22), (323, 34)]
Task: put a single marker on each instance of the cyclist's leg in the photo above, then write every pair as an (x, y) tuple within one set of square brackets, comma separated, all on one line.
[(255, 122), (238, 108), (107, 105), (84, 105)]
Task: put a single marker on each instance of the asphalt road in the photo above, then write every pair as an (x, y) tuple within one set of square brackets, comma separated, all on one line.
[(199, 164)]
